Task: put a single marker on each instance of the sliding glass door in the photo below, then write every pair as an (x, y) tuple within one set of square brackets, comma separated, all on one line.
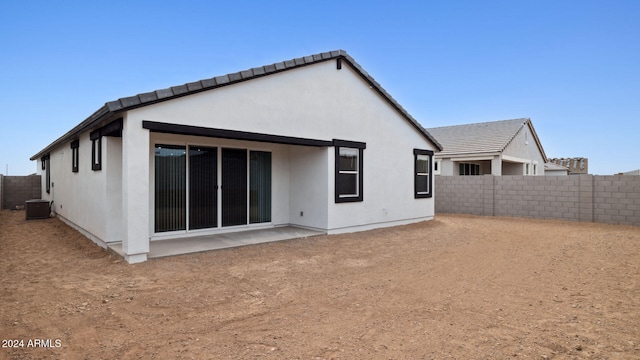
[(187, 182)]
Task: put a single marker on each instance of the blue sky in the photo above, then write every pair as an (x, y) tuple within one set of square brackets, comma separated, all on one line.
[(570, 66)]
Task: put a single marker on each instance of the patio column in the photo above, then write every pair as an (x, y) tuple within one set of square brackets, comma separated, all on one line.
[(496, 165), (135, 191)]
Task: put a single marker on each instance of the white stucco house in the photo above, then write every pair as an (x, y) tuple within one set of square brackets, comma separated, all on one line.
[(506, 147), (313, 142)]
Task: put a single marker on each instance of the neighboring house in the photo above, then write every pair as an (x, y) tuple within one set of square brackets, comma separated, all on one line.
[(553, 169), (507, 147), (575, 166), (313, 142), (633, 172)]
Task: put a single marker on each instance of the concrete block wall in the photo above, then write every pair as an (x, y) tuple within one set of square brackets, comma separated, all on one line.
[(607, 199), (463, 194), (616, 199), (18, 189)]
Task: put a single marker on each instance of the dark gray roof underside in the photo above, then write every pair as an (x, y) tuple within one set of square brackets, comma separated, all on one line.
[(112, 109)]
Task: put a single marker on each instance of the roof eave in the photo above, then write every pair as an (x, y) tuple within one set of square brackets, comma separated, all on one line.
[(144, 99), (375, 85), (92, 121)]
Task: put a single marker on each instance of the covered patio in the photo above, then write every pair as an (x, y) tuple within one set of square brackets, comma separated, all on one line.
[(195, 244)]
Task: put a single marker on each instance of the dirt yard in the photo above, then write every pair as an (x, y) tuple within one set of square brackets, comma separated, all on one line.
[(458, 287)]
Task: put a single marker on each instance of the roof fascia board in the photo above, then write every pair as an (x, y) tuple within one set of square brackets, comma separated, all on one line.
[(180, 129), (518, 160), (390, 100), (535, 138), (477, 156), (102, 115), (114, 108), (538, 143), (470, 158)]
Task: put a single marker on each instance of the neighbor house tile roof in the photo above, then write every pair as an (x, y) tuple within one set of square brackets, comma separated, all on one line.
[(112, 109), (480, 138), (554, 166)]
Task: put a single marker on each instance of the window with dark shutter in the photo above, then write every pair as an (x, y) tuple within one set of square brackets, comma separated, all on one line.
[(422, 173), (75, 147), (348, 183)]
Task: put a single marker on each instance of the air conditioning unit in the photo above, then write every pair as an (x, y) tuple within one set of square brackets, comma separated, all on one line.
[(37, 209)]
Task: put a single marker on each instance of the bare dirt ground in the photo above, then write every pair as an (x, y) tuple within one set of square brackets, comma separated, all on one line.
[(458, 287)]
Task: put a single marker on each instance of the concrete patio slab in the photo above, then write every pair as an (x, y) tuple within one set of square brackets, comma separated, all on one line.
[(188, 245)]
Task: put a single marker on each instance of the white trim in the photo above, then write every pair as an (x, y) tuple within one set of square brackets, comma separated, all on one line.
[(90, 236), (375, 225), (214, 231), (515, 159), (467, 157), (135, 258)]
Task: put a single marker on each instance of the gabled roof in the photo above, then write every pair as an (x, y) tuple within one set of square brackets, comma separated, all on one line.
[(481, 138), (112, 109)]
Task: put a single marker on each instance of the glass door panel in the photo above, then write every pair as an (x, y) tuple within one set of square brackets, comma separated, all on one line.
[(203, 187), (170, 188)]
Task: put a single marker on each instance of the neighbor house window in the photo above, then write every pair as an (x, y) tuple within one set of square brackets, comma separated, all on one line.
[(348, 187), (422, 173), (469, 169), (96, 153), (74, 155)]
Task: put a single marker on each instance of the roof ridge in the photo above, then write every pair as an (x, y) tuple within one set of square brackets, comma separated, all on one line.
[(210, 83), (478, 123)]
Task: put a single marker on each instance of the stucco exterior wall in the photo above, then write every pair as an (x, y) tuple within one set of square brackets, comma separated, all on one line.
[(309, 181), (79, 198), (318, 102)]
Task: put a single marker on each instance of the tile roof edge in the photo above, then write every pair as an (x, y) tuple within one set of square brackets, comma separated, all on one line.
[(159, 95)]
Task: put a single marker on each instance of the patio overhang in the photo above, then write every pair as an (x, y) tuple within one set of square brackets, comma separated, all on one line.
[(180, 129)]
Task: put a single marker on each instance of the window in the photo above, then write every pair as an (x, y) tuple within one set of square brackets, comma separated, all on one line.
[(422, 172), (74, 155), (47, 177), (469, 169), (348, 187), (96, 154)]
